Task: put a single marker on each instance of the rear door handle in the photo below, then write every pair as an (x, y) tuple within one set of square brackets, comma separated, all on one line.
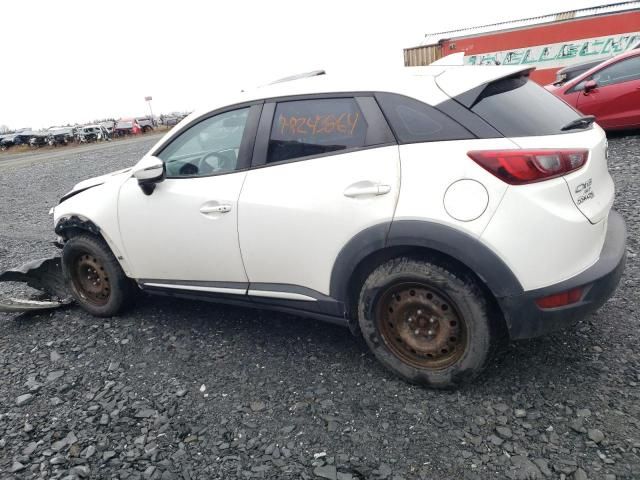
[(366, 188), (215, 208)]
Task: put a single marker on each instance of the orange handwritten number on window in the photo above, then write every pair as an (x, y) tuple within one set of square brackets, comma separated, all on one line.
[(313, 125), (300, 122), (355, 122), (345, 123)]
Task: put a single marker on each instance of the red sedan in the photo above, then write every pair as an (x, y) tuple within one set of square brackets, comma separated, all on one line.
[(609, 91)]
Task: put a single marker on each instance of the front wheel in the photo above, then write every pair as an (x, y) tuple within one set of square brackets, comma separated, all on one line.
[(95, 277), (425, 323)]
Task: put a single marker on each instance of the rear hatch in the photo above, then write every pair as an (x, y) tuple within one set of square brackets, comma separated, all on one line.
[(536, 120)]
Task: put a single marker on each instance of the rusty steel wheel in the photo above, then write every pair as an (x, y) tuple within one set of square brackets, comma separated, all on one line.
[(90, 279), (421, 326), (94, 276), (425, 321)]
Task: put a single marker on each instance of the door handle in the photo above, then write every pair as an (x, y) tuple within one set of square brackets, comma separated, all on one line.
[(362, 189), (215, 208)]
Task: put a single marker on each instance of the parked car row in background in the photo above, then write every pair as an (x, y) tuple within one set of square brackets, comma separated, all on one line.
[(95, 132)]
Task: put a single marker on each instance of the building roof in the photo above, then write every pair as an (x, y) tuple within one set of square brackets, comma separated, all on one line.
[(434, 38)]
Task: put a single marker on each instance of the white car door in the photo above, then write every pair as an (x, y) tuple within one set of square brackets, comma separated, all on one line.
[(184, 235), (324, 169)]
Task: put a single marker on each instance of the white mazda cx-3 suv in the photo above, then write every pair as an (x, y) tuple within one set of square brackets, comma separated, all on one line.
[(428, 210)]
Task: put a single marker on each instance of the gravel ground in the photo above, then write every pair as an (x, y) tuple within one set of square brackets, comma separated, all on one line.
[(179, 389)]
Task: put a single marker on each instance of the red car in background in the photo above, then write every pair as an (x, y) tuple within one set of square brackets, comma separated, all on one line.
[(609, 91)]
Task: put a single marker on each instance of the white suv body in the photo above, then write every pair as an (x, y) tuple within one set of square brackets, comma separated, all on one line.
[(297, 196)]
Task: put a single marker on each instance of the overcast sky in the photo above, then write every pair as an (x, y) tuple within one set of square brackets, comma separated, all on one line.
[(76, 61)]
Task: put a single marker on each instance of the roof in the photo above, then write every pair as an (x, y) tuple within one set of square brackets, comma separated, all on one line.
[(436, 37), (412, 81), (409, 81)]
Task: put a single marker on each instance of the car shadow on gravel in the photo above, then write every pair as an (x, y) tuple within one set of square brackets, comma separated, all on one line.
[(549, 357), (286, 341)]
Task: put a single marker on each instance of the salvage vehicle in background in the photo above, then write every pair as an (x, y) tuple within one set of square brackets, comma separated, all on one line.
[(57, 139), (146, 124), (172, 119), (91, 133), (6, 142), (22, 138), (127, 127), (429, 211), (109, 126), (59, 136), (38, 140), (610, 92)]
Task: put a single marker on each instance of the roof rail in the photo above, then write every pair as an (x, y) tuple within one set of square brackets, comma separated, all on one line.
[(298, 76)]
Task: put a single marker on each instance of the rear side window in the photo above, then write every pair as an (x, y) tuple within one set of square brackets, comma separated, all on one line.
[(517, 107), (311, 127), (414, 121)]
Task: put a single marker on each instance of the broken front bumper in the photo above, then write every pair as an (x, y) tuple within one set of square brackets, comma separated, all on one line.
[(44, 275)]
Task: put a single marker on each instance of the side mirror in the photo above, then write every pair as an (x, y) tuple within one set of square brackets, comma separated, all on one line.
[(149, 171), (590, 85)]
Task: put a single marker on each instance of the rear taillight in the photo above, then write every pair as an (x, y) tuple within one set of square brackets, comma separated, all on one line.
[(519, 167)]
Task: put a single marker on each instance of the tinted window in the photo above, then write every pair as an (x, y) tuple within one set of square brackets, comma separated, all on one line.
[(207, 148), (311, 127), (517, 107), (414, 121), (623, 71)]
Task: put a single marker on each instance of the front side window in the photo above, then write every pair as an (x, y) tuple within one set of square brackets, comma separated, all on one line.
[(623, 71), (208, 148), (311, 127)]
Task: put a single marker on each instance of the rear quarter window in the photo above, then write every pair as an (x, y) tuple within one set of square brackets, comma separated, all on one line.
[(518, 107), (413, 121)]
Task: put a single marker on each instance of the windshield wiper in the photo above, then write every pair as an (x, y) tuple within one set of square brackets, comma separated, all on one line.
[(582, 122)]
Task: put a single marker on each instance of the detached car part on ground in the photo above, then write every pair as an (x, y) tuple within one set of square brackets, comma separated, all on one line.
[(44, 275), (430, 211)]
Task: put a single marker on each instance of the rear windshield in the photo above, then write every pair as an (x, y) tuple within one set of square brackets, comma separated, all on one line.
[(517, 107)]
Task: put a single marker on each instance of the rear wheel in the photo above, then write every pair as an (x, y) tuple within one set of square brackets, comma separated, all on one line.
[(424, 322), (95, 277)]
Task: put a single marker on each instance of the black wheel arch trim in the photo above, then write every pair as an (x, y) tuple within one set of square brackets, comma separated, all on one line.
[(75, 222), (454, 243)]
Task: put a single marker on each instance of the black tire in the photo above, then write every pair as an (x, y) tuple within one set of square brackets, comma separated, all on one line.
[(425, 323), (95, 278)]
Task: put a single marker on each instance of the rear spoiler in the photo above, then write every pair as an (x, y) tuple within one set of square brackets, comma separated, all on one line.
[(465, 84)]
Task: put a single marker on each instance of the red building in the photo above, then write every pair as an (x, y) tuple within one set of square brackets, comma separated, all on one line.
[(548, 43)]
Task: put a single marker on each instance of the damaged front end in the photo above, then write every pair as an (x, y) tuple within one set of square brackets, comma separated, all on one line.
[(44, 275)]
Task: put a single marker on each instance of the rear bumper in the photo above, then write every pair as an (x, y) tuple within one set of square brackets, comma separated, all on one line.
[(526, 320)]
